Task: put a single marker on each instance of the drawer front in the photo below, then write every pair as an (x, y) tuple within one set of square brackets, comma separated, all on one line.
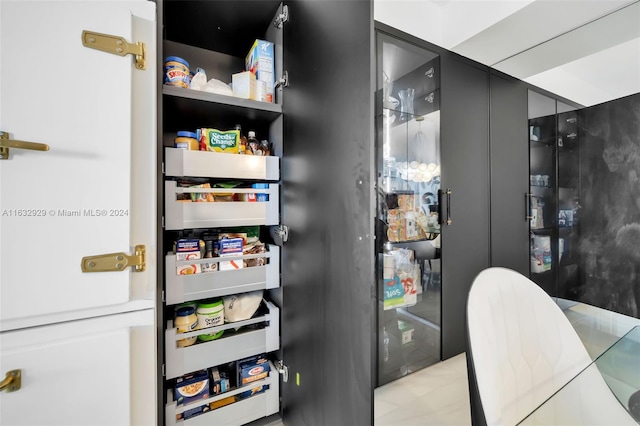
[(187, 215), (240, 412), (81, 372), (183, 360), (185, 288)]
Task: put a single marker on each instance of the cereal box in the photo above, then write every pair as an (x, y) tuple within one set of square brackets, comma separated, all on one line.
[(260, 61)]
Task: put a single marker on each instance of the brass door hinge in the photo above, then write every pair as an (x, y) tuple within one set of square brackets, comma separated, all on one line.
[(116, 261), (116, 45)]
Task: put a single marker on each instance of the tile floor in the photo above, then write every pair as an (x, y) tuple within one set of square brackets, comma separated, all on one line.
[(439, 395)]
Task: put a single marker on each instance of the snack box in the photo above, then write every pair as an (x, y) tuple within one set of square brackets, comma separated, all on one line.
[(252, 369), (260, 61), (188, 249), (219, 140), (192, 387), (231, 247)]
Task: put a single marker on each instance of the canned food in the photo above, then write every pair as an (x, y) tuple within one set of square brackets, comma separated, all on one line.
[(176, 72)]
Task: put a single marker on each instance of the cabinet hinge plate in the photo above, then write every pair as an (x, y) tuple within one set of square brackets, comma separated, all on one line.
[(282, 17), (282, 369), (115, 45), (283, 81), (280, 234)]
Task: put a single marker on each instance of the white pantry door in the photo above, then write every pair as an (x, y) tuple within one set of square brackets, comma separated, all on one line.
[(93, 191)]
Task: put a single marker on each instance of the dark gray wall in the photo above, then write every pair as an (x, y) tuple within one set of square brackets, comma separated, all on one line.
[(465, 170), (328, 271), (509, 173), (610, 199)]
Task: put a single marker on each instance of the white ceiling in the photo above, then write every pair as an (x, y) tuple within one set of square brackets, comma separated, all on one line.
[(587, 51)]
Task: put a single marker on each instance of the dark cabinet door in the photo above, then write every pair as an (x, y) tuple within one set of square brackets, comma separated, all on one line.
[(509, 173), (465, 151), (327, 264)]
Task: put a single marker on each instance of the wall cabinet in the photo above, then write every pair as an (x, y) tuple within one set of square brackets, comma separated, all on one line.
[(461, 95), (554, 199)]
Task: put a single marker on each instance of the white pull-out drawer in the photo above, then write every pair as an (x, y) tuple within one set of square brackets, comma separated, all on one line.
[(182, 162), (237, 413), (183, 360), (185, 288), (187, 215)]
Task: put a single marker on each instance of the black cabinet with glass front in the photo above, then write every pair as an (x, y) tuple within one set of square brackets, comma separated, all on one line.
[(408, 218), (554, 196)]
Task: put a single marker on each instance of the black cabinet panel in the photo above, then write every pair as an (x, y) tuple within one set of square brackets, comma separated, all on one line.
[(509, 174), (465, 152), (327, 203)]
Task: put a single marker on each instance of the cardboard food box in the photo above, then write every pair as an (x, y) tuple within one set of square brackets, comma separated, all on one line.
[(219, 140), (192, 387), (254, 391), (231, 247), (260, 62), (252, 369), (219, 381), (188, 249), (246, 86)]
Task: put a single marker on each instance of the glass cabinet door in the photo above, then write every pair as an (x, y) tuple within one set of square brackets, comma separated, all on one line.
[(554, 196), (408, 217)]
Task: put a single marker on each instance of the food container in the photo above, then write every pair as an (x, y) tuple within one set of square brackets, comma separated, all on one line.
[(176, 72), (186, 321), (186, 140), (210, 314), (192, 387)]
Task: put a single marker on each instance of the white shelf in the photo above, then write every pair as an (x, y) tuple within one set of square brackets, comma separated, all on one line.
[(182, 162), (186, 215), (240, 412), (185, 288), (180, 361)]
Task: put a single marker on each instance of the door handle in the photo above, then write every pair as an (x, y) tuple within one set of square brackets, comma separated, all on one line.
[(12, 381), (6, 143), (448, 220), (527, 206)]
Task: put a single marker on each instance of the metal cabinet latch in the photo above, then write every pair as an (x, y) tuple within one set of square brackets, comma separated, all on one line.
[(282, 17), (282, 369), (280, 234)]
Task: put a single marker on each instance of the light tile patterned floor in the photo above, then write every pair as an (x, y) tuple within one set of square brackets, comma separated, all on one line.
[(439, 395)]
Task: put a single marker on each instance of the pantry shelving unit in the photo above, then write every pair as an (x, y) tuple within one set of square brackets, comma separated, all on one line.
[(316, 308), (187, 109)]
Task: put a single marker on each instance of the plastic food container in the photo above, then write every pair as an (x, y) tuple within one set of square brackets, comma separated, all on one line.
[(186, 140), (186, 321), (176, 72), (210, 314)]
